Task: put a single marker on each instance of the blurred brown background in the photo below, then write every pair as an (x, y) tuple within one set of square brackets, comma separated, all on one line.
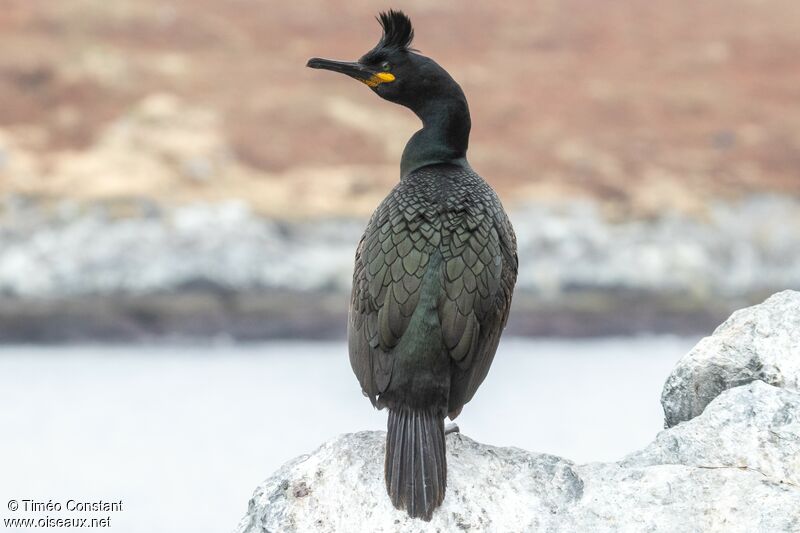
[(133, 109), (639, 105)]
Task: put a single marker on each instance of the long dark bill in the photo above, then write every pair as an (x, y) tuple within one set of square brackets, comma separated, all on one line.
[(354, 70)]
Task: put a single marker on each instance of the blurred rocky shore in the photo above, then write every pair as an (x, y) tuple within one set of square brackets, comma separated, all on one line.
[(651, 175), (137, 271)]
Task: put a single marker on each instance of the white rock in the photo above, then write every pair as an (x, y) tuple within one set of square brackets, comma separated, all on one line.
[(757, 343), (733, 469), (754, 427)]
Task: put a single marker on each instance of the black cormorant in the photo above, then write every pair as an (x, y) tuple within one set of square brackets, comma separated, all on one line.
[(434, 272)]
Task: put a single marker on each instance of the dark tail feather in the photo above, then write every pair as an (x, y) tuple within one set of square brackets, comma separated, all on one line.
[(416, 464)]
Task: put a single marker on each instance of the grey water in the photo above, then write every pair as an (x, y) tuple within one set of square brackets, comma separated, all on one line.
[(183, 434)]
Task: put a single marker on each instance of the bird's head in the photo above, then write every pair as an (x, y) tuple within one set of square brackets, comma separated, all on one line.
[(395, 71)]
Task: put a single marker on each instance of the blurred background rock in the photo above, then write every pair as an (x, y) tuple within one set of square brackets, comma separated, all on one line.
[(171, 169)]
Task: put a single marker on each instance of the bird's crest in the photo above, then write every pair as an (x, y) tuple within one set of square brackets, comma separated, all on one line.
[(397, 35), (397, 30)]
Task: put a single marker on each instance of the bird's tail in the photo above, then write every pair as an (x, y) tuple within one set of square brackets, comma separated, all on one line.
[(416, 465)]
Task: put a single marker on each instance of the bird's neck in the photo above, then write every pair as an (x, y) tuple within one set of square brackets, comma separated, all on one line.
[(444, 136)]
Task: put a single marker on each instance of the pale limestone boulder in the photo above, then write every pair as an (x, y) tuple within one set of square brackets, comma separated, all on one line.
[(735, 468), (761, 342)]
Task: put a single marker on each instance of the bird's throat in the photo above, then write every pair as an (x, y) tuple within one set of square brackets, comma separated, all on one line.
[(444, 136)]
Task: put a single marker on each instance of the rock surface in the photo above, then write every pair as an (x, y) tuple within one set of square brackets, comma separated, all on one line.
[(761, 342), (734, 468)]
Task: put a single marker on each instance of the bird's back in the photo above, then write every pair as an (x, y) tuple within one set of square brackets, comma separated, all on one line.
[(434, 275)]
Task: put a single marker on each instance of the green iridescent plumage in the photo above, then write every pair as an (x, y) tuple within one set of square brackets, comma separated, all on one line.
[(434, 272)]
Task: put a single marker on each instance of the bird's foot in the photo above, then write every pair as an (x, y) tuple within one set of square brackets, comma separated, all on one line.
[(452, 427)]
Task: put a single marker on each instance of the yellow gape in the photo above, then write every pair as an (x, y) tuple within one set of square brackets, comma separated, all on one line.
[(380, 77)]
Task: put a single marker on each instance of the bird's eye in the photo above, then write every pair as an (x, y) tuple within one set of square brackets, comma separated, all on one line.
[(385, 66)]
